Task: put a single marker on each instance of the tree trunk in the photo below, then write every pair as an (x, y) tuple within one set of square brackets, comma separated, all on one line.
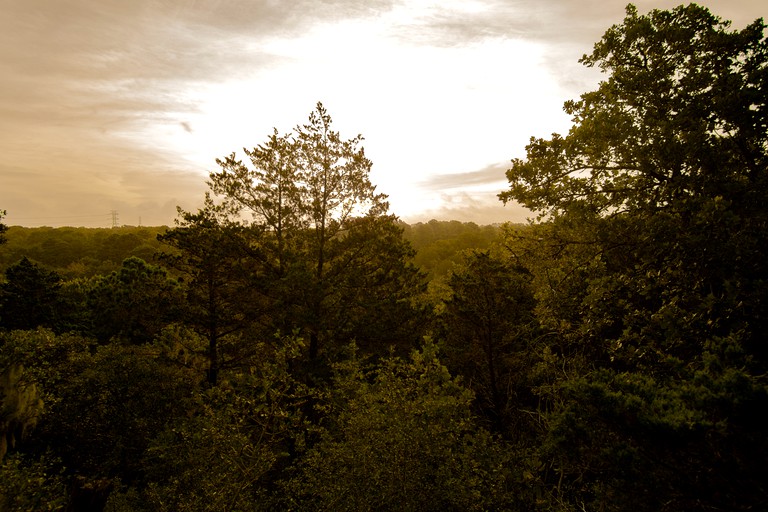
[(313, 345), (213, 335)]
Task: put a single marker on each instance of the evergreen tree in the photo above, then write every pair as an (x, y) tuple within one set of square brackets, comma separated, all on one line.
[(317, 230), (221, 300), (487, 324), (29, 297), (135, 303)]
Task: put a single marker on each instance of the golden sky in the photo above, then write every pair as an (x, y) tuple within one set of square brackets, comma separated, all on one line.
[(124, 105)]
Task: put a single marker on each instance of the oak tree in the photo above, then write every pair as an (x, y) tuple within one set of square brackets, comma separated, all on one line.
[(653, 210), (404, 438)]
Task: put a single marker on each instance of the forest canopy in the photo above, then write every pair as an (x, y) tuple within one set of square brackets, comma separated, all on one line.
[(292, 345)]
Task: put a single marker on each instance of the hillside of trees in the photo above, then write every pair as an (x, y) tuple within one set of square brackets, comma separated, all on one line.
[(292, 345), (79, 252), (87, 252)]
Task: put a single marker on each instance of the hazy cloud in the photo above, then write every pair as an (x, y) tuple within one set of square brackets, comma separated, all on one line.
[(481, 208)]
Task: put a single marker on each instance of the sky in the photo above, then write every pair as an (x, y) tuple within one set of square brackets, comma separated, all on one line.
[(116, 110)]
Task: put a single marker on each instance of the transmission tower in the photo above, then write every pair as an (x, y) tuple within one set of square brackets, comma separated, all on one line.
[(114, 218)]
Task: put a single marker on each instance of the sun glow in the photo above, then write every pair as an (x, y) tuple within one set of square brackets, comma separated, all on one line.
[(480, 98)]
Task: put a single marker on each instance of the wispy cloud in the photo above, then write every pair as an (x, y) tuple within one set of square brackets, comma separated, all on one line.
[(470, 196), (479, 207), (490, 176)]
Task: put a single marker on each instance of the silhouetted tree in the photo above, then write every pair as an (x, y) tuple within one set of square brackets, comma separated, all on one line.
[(309, 195), (649, 270), (487, 323), (221, 299)]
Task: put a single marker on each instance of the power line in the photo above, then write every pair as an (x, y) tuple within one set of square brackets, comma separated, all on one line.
[(109, 219)]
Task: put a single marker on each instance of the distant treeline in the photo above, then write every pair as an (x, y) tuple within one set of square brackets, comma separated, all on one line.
[(79, 252), (86, 252)]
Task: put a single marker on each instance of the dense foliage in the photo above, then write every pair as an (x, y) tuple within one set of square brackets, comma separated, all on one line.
[(439, 244), (79, 252), (279, 348), (651, 277)]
